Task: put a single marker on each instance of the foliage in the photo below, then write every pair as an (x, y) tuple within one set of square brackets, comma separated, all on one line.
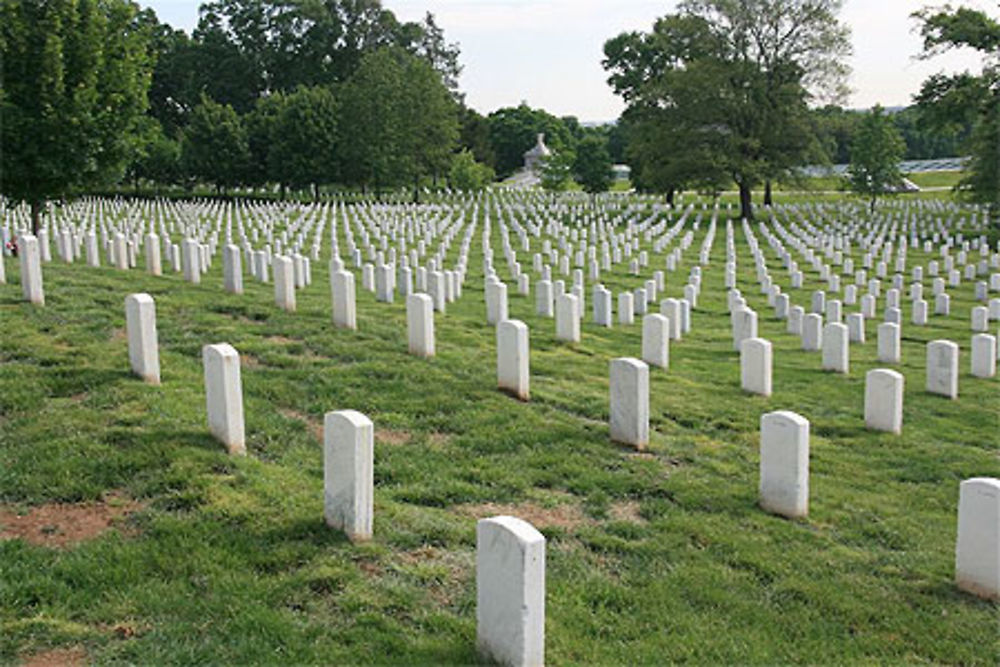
[(592, 166), (718, 90), (513, 130), (557, 171), (304, 138), (948, 100), (156, 157), (399, 121), (878, 148), (75, 76), (474, 135), (214, 147), (467, 174)]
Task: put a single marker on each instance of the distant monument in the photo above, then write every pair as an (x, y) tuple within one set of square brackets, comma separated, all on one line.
[(534, 158)]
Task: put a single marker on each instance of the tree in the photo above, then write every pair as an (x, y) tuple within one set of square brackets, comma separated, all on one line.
[(557, 171), (726, 84), (875, 155), (214, 146), (947, 100), (156, 157), (399, 121), (592, 165), (513, 130), (304, 139), (468, 175), (75, 76)]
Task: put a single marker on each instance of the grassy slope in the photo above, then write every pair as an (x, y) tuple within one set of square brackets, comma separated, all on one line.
[(232, 563)]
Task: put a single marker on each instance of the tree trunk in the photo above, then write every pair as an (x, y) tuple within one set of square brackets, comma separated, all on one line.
[(871, 205), (315, 189), (36, 215), (746, 200), (416, 191), (670, 196), (768, 201)]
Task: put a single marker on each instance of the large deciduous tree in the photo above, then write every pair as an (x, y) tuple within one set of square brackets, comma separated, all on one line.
[(592, 166), (75, 77), (304, 138), (513, 130), (214, 148), (875, 154), (948, 100), (722, 88)]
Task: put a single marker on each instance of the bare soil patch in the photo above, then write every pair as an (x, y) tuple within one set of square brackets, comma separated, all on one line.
[(626, 511), (117, 335), (392, 437), (61, 525), (314, 426), (56, 657), (566, 516)]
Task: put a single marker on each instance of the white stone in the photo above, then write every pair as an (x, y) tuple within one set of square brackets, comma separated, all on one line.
[(980, 319), (544, 300), (942, 304), (794, 323), (512, 358), (942, 368), (984, 355), (744, 326), (884, 400), (784, 464), (755, 366), (568, 318), (919, 315), (224, 396), (836, 352), (889, 348), (30, 262), (385, 283), (121, 252), (977, 549), (284, 283), (626, 308), (496, 302), (673, 310), (343, 297), (629, 393), (191, 255), (856, 327), (420, 324), (154, 265), (812, 332), (656, 340), (348, 473), (140, 325), (232, 269), (510, 592)]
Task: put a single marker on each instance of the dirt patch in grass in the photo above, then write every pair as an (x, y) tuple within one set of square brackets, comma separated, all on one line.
[(56, 657), (314, 426), (627, 510), (248, 360), (566, 516), (392, 437), (437, 439), (282, 340), (451, 570), (61, 525), (117, 335)]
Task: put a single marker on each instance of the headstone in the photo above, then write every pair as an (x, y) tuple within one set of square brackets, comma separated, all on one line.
[(626, 308), (496, 302), (856, 327), (977, 549), (344, 306), (512, 358), (889, 348), (836, 352), (154, 264), (629, 392), (656, 340), (420, 324), (984, 355), (385, 283), (31, 270), (812, 333), (348, 473), (784, 464), (980, 319), (121, 252), (284, 283), (510, 592), (140, 325), (191, 252), (568, 318), (544, 300), (232, 269), (795, 316), (942, 368), (884, 400), (919, 315), (673, 311), (224, 395), (755, 366)]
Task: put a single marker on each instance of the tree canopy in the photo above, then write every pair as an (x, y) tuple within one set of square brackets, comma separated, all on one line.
[(878, 148), (718, 90), (75, 76)]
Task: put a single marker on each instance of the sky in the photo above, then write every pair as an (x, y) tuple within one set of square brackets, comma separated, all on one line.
[(548, 52)]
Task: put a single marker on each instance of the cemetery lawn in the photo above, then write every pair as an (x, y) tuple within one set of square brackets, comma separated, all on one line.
[(652, 557)]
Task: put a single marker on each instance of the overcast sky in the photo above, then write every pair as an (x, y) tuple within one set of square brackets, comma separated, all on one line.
[(548, 52)]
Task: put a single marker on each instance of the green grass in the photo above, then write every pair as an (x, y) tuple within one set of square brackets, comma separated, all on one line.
[(230, 562), (937, 179)]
